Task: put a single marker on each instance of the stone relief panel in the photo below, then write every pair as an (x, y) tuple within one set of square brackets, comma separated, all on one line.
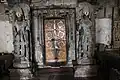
[(85, 40), (19, 17), (20, 20), (85, 33)]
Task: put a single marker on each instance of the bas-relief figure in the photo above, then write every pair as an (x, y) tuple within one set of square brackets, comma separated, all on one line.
[(21, 41), (85, 38), (21, 34), (84, 32), (19, 17), (85, 41)]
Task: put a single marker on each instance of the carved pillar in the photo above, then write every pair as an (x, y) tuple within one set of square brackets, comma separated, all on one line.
[(22, 43), (85, 36), (71, 36), (37, 35)]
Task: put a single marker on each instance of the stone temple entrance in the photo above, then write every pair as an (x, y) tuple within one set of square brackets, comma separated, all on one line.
[(54, 36), (52, 42)]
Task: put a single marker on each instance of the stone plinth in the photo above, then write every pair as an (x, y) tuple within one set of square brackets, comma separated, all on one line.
[(20, 74), (55, 74), (86, 71)]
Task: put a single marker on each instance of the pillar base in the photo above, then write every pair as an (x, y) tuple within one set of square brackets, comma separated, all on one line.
[(20, 74), (86, 71)]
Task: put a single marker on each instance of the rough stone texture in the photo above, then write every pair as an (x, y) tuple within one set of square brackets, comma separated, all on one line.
[(55, 74), (86, 71), (20, 74), (87, 78), (6, 37)]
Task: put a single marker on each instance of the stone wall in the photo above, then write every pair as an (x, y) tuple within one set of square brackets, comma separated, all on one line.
[(6, 36), (110, 9)]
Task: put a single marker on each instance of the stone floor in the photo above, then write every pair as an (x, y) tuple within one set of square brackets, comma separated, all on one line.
[(46, 74), (6, 77)]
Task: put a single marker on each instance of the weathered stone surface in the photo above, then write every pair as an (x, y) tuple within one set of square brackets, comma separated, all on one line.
[(20, 74), (86, 71)]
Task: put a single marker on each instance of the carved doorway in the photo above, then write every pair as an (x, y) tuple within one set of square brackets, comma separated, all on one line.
[(55, 42), (54, 36)]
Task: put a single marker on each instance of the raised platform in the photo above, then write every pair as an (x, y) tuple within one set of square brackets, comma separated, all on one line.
[(66, 73)]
